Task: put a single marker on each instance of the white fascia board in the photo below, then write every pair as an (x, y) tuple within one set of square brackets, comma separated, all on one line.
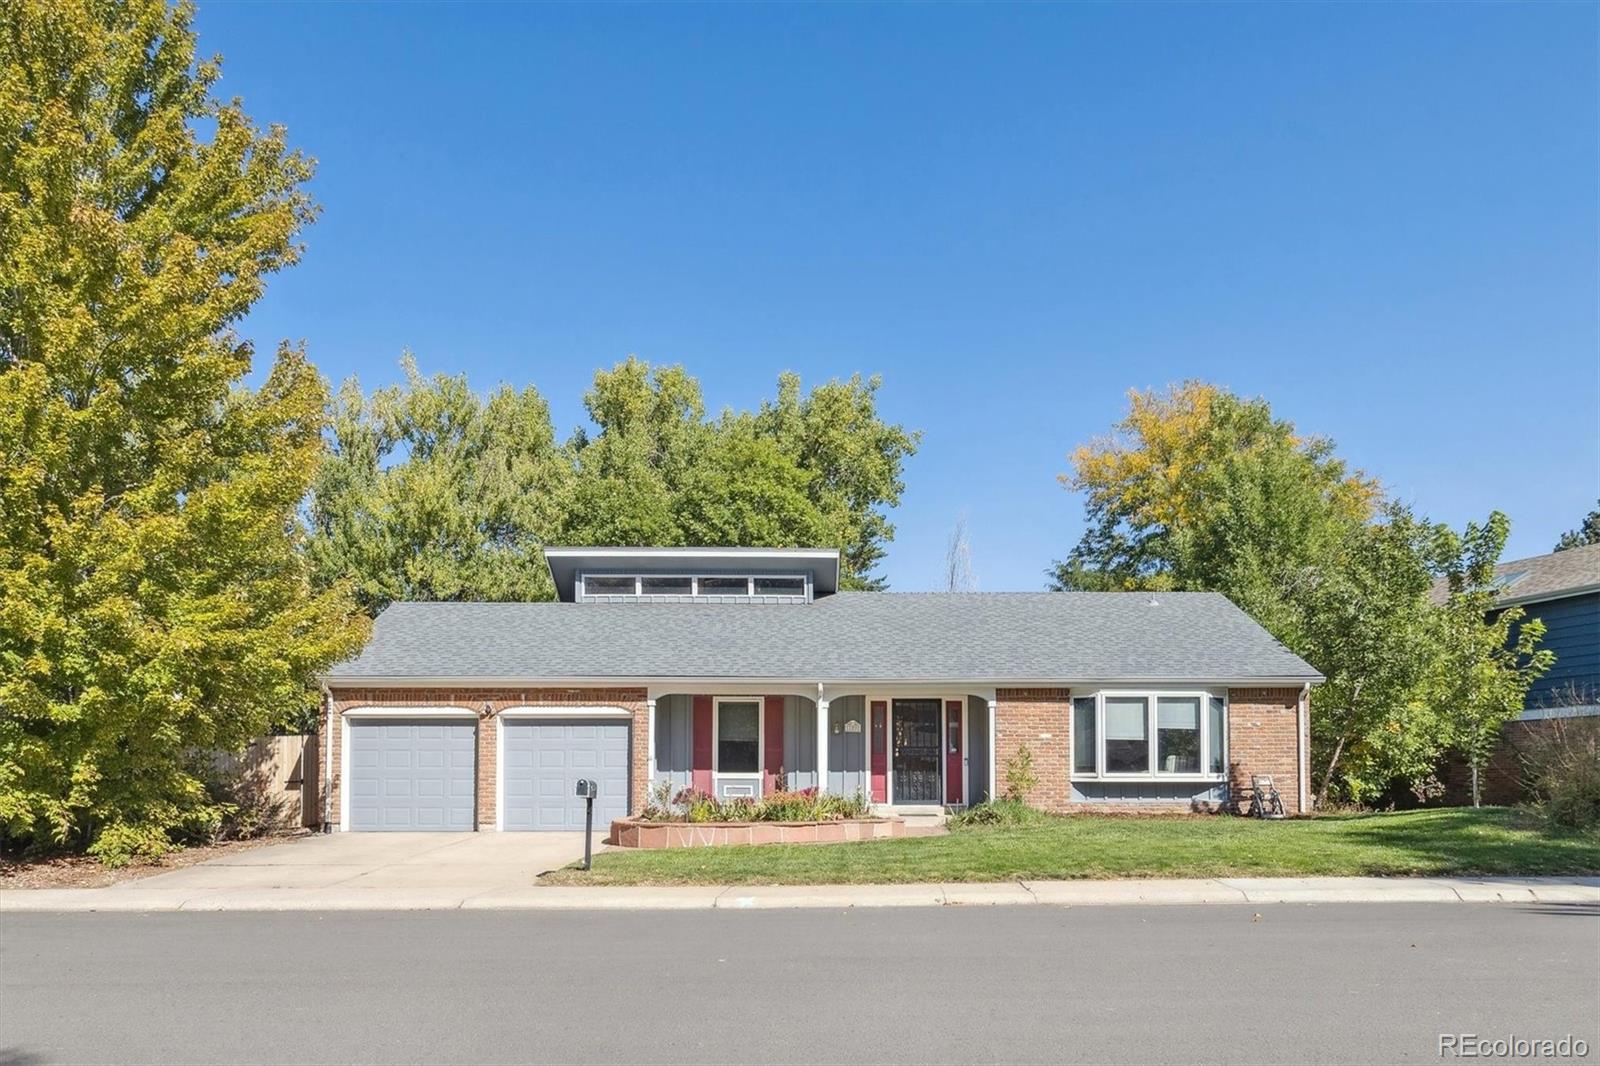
[(690, 553)]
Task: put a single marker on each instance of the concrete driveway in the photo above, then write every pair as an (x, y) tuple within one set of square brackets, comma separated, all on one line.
[(459, 862)]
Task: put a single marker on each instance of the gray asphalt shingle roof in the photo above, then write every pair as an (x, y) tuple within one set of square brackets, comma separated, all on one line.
[(1022, 636), (1541, 577)]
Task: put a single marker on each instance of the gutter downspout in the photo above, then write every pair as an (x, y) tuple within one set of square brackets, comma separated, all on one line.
[(1302, 738), (327, 761)]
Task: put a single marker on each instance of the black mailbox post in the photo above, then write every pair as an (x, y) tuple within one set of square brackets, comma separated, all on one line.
[(588, 790)]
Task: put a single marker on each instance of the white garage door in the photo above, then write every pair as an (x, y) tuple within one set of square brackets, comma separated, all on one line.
[(542, 760), (410, 774)]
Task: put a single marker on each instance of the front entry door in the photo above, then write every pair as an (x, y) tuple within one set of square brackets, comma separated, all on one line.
[(916, 751)]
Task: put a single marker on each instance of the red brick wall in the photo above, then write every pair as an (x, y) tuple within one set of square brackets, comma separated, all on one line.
[(1262, 728), (1041, 718), (1502, 780), (629, 699)]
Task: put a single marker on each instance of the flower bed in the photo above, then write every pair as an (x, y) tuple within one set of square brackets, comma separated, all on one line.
[(637, 833), (694, 819), (804, 805)]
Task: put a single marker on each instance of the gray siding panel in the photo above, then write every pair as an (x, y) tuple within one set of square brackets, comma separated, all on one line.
[(799, 742), (847, 749), (977, 740), (675, 741)]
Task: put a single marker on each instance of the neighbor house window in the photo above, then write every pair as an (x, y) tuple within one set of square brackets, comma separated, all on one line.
[(780, 586), (738, 737), (594, 585), (1084, 753), (724, 586), (1127, 735), (1150, 733), (1178, 735), (666, 586)]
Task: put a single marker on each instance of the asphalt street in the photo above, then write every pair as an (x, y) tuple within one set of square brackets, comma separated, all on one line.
[(1236, 984)]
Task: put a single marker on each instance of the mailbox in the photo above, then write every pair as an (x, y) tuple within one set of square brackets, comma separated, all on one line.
[(587, 790)]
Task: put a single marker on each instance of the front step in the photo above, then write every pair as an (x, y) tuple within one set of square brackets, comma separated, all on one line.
[(916, 816)]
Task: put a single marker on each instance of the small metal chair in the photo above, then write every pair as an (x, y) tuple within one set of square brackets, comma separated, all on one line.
[(1264, 799)]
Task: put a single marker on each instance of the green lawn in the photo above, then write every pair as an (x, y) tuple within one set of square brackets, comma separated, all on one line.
[(1494, 840)]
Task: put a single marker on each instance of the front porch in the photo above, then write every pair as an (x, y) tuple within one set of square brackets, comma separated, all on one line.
[(919, 751)]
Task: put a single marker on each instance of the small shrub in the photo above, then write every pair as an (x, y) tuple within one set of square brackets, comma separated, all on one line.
[(658, 804), (1020, 778), (245, 807), (121, 844), (1562, 764), (1002, 812)]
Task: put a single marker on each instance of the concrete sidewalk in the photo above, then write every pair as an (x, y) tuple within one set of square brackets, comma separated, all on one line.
[(147, 896)]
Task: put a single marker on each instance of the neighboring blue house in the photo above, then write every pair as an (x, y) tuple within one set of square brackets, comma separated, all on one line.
[(1562, 590)]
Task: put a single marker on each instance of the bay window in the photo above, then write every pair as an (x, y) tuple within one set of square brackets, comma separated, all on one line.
[(1127, 734), (1178, 735), (1084, 750), (1219, 734), (1154, 734)]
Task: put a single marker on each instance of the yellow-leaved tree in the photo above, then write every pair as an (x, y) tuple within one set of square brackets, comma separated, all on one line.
[(154, 603)]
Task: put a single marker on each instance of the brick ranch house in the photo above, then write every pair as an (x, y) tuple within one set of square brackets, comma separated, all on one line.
[(743, 671)]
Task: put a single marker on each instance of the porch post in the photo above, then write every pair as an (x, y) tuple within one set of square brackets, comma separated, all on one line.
[(994, 734), (650, 716), (822, 741)]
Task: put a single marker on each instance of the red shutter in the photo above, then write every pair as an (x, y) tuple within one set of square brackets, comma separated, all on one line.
[(953, 744), (772, 760), (702, 743), (880, 751)]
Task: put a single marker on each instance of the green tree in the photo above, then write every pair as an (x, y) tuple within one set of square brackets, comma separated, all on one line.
[(819, 468), (434, 493), (1200, 490), (154, 601), (1487, 658), (856, 461), (1587, 533), (1367, 624), (1196, 488), (650, 434)]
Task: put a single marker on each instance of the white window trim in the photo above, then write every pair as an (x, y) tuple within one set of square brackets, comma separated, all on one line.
[(716, 736), (1151, 696)]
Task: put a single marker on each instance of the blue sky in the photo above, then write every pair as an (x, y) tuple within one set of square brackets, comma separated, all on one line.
[(1383, 218)]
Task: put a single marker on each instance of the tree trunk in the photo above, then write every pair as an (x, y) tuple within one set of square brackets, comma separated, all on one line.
[(1327, 776), (1475, 797)]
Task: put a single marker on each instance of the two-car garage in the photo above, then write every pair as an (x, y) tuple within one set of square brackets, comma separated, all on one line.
[(418, 772)]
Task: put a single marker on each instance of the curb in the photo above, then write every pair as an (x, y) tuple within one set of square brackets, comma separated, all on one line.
[(1306, 890)]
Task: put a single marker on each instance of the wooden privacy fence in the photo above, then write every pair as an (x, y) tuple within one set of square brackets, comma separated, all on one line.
[(279, 776)]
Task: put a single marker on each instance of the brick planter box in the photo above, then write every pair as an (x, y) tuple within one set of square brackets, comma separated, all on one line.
[(636, 834)]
